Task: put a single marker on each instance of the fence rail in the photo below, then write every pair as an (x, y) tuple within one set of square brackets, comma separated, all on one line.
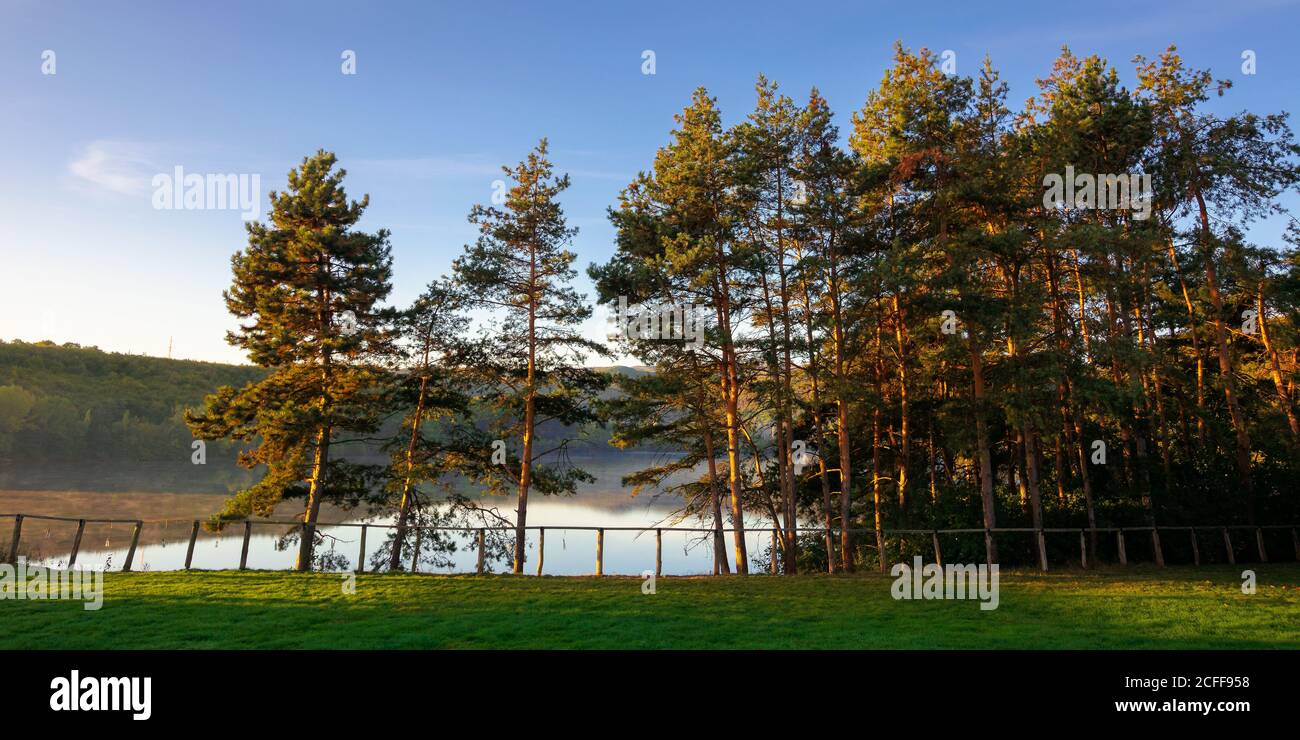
[(1087, 545)]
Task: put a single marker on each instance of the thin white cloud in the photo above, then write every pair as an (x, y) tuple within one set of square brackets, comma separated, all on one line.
[(117, 166)]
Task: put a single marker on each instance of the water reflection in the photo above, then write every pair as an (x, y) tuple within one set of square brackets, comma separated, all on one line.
[(568, 551)]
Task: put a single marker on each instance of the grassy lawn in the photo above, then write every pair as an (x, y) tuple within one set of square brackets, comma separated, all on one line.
[(1136, 608)]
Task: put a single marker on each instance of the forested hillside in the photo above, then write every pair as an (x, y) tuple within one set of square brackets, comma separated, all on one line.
[(69, 403), (74, 403)]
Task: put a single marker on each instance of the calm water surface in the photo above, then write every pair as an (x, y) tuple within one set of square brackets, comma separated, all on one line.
[(568, 551)]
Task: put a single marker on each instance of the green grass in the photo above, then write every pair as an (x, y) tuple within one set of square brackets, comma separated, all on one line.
[(1136, 608)]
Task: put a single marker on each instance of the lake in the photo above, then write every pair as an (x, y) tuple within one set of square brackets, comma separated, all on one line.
[(168, 516)]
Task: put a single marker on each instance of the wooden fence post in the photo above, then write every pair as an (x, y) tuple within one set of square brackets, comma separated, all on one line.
[(938, 554), (12, 557), (1227, 544), (1196, 548), (1259, 542), (1042, 550), (600, 552), (189, 551), (659, 553), (415, 556), (1083, 550), (76, 543), (243, 551), (481, 549), (361, 555), (541, 549), (1123, 556), (130, 553), (1155, 544)]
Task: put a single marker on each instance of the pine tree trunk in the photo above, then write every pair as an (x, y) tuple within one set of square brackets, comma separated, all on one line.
[(1275, 370), (1086, 479), (404, 511), (1083, 313), (1062, 345), (732, 402), (1196, 345), (875, 488), (787, 411), (306, 545), (1225, 363), (934, 489), (1031, 475), (982, 445), (1058, 455), (842, 423), (715, 504), (530, 409), (875, 454), (905, 451), (814, 378)]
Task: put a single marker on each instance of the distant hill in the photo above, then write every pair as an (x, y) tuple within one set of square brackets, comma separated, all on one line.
[(68, 403)]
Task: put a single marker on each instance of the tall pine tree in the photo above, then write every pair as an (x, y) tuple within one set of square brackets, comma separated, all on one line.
[(307, 290), (520, 271)]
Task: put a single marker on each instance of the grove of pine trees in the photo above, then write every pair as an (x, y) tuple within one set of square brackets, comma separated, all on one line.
[(900, 331)]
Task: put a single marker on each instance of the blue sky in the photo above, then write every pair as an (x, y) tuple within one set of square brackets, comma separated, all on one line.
[(443, 95)]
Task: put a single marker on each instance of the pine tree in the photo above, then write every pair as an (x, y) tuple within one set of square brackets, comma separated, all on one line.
[(520, 271), (765, 190), (682, 218), (308, 290), (430, 381), (1227, 167), (676, 406), (827, 225)]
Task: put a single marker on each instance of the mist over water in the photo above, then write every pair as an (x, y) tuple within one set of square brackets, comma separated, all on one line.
[(84, 491)]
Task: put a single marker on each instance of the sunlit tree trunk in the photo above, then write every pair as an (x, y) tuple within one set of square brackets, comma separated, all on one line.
[(1194, 332), (1275, 369), (1225, 361), (842, 417), (905, 451), (320, 460), (530, 410), (404, 510), (731, 404), (715, 505)]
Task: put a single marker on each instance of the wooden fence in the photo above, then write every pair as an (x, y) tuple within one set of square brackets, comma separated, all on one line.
[(1039, 538)]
